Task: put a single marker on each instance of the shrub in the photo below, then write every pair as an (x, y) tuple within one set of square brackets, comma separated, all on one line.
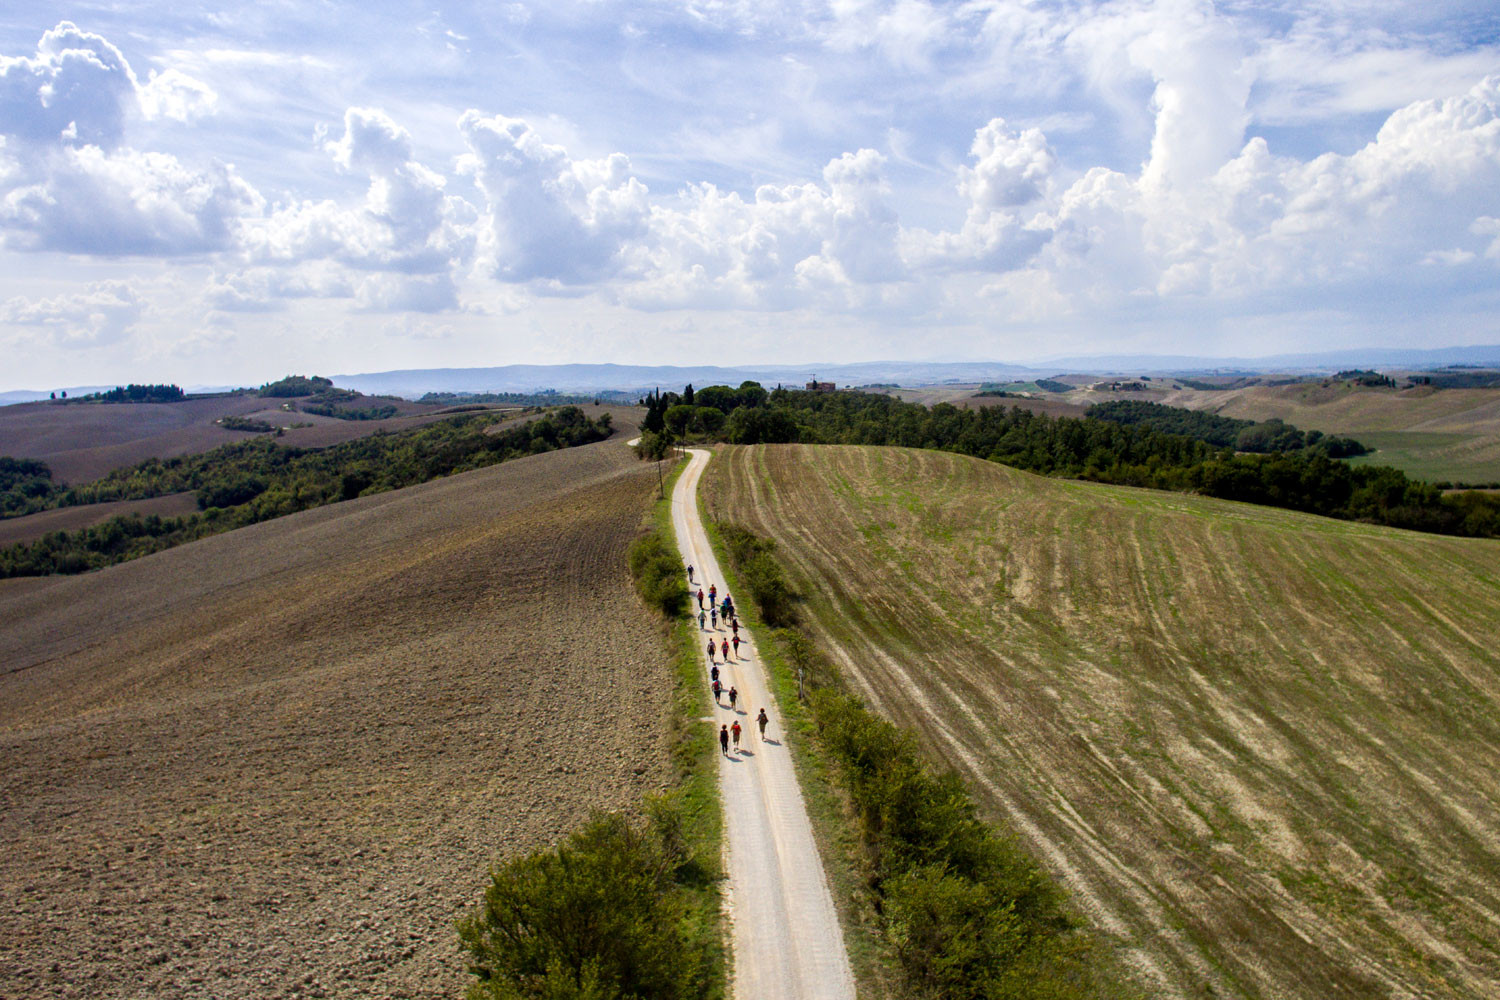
[(967, 911), (605, 915), (753, 558), (658, 574)]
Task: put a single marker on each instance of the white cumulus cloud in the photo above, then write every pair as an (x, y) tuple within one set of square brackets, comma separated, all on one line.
[(101, 314), (69, 182), (550, 217)]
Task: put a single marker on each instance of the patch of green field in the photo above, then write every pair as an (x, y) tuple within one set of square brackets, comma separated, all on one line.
[(1435, 456)]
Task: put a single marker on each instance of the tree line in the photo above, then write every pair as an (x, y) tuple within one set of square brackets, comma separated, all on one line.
[(134, 394), (1264, 437), (257, 480), (1308, 479)]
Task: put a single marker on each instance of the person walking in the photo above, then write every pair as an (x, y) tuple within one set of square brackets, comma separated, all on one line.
[(724, 740), (736, 645), (761, 720), (734, 696), (735, 732), (712, 594), (690, 572), (711, 649), (718, 689), (713, 617), (701, 619), (734, 623), (700, 598), (725, 650), (713, 672)]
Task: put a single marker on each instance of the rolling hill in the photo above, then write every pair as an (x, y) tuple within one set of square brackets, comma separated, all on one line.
[(1261, 747), (285, 756), (83, 441)]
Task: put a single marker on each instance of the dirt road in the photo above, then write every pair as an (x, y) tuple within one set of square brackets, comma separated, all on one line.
[(787, 941)]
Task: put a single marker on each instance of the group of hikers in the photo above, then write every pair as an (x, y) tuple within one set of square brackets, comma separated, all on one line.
[(709, 618)]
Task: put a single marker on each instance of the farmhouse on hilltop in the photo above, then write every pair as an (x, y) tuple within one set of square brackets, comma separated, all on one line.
[(816, 386)]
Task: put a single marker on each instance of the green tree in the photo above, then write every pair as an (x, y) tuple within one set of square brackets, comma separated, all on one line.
[(602, 916)]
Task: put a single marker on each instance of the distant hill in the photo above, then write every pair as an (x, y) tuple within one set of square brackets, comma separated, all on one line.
[(414, 382), (1324, 361), (32, 395)]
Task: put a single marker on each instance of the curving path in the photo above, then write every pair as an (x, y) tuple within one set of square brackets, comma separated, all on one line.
[(787, 942)]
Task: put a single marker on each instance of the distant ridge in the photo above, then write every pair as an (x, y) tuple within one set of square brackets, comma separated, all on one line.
[(414, 382), (1363, 357), (643, 378)]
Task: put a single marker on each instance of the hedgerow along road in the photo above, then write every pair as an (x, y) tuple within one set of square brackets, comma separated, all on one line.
[(785, 932)]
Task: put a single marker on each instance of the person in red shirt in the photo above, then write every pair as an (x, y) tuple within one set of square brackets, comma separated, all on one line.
[(734, 731)]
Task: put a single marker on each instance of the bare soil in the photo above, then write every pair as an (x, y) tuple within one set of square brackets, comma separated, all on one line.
[(1263, 748), (278, 762)]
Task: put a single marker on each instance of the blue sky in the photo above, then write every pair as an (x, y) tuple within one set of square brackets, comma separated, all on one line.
[(224, 195)]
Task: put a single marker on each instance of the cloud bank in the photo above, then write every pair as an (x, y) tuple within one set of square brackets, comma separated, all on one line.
[(1031, 221)]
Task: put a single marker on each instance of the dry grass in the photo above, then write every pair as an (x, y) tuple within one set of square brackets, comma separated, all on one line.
[(278, 761), (1262, 747)]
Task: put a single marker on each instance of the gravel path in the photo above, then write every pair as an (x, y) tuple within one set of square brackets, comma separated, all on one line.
[(787, 941)]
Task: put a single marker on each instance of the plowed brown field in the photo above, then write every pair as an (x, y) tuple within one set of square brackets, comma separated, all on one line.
[(1262, 747), (277, 762), (82, 441)]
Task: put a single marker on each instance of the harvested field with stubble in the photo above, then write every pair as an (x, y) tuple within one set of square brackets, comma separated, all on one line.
[(1263, 748), (278, 762)]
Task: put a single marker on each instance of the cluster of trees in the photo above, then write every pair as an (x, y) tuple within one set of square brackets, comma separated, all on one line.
[(1132, 455), (1263, 438), (257, 480), (25, 486), (350, 412), (1361, 376), (135, 394), (546, 397), (717, 412), (233, 423), (296, 385)]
